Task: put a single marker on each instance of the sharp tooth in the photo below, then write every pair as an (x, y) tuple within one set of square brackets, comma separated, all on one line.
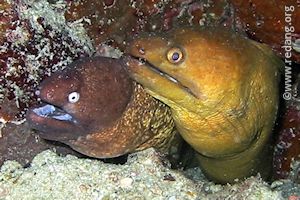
[(142, 60), (172, 79)]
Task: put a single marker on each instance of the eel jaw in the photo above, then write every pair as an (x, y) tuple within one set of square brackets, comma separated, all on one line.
[(144, 62), (53, 112), (53, 123)]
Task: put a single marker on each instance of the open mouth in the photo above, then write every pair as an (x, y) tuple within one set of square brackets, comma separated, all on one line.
[(52, 122), (162, 73), (53, 112)]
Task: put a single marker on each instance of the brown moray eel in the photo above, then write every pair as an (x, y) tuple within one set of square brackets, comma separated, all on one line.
[(223, 92), (94, 107)]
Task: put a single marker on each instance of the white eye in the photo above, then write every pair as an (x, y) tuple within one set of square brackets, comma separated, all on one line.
[(73, 97)]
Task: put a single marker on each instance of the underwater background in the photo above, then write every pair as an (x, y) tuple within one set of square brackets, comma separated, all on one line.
[(40, 37)]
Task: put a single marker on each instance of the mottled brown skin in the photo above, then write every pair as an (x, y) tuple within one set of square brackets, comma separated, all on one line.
[(112, 117), (222, 92)]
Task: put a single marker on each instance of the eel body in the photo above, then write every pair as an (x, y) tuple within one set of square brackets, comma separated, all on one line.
[(94, 107), (222, 89)]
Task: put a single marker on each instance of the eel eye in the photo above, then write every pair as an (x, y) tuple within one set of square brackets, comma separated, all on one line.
[(175, 55), (73, 97)]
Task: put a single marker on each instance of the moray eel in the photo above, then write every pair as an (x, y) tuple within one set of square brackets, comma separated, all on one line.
[(223, 92), (94, 107)]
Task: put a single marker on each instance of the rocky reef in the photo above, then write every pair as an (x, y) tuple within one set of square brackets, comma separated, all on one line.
[(39, 37), (146, 175)]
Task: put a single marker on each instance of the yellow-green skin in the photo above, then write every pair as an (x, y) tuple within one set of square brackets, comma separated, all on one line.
[(225, 101)]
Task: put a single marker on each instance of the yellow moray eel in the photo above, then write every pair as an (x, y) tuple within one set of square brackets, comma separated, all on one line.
[(223, 92)]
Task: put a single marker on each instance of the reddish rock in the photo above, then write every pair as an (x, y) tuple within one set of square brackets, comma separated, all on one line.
[(18, 142), (30, 49), (265, 21), (287, 147)]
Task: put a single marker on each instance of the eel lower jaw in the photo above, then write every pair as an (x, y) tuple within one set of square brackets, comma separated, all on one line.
[(53, 123), (142, 61), (53, 112)]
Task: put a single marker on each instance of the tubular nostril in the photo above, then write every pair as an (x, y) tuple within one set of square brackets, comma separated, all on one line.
[(141, 50), (109, 3), (37, 92)]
